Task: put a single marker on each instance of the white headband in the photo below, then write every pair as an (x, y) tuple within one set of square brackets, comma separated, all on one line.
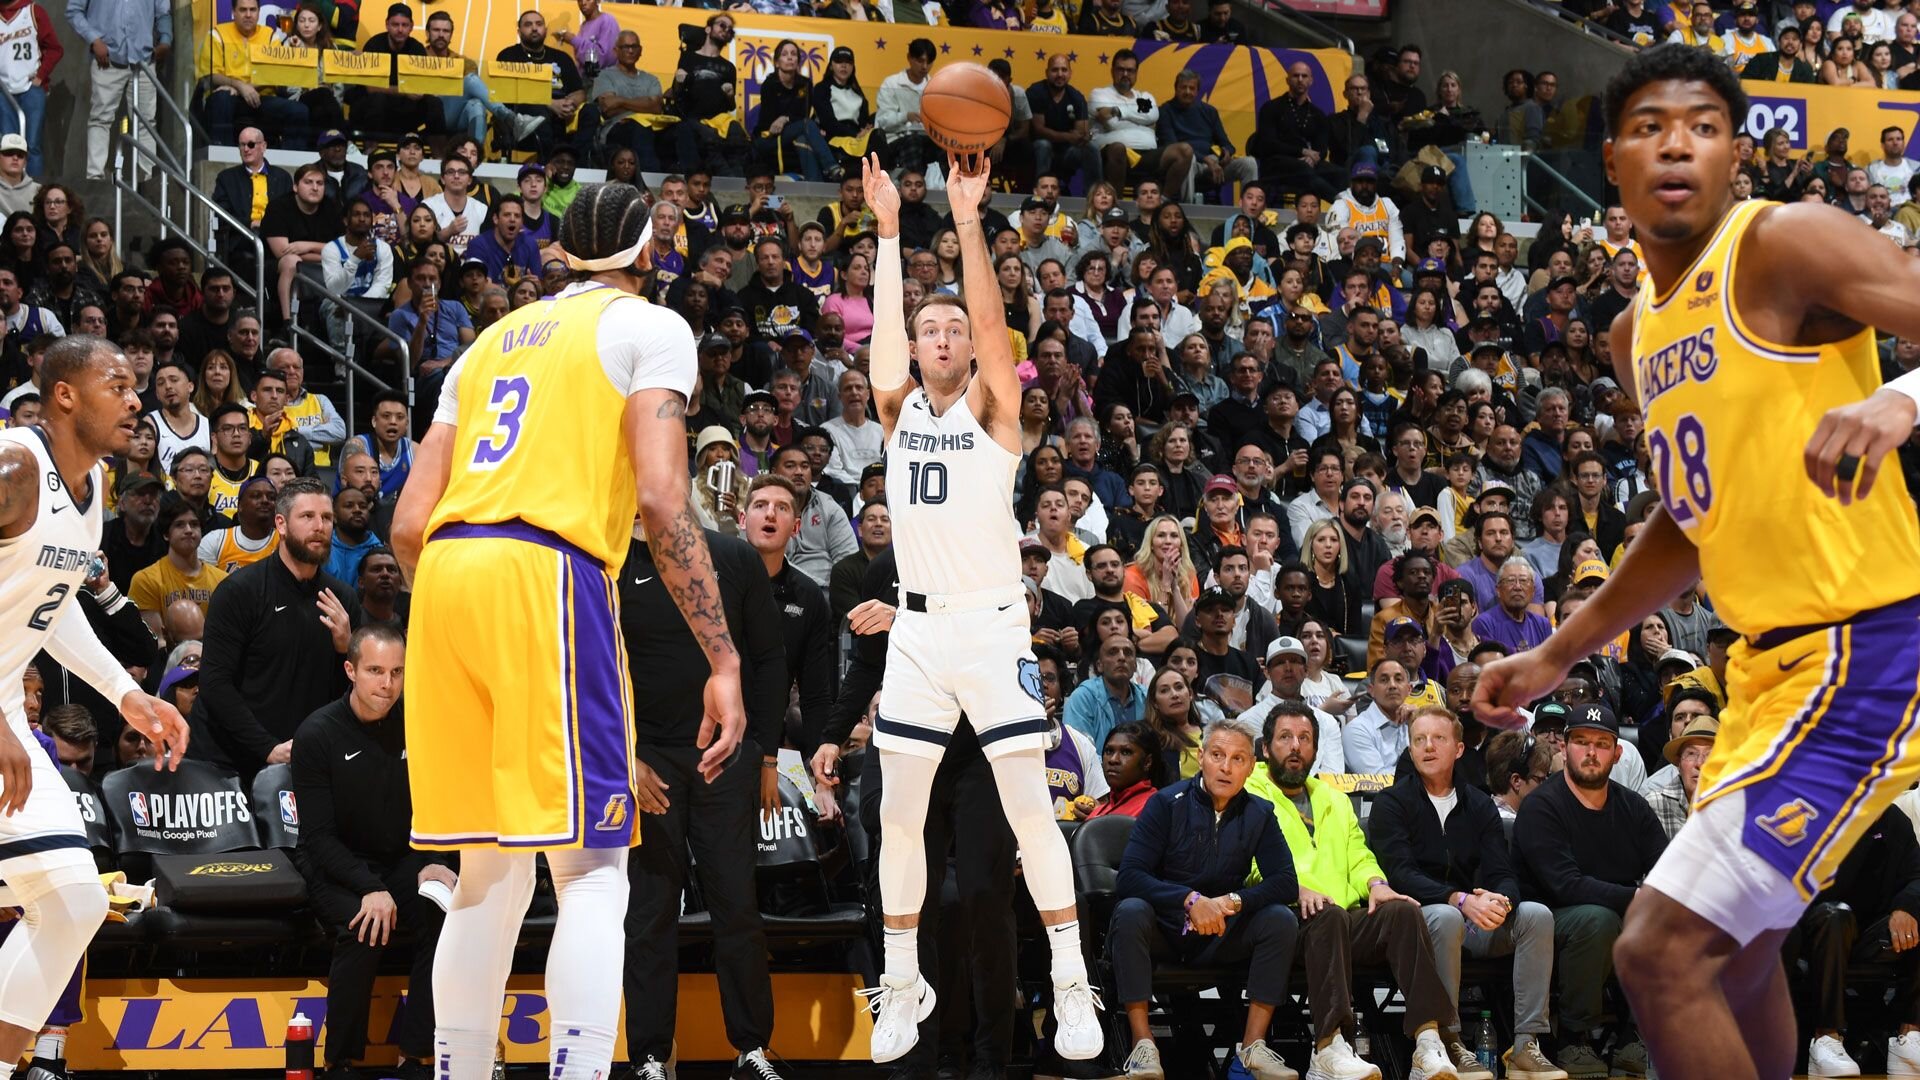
[(619, 260)]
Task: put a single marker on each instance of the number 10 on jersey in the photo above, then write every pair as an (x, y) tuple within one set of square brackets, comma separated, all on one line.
[(927, 482)]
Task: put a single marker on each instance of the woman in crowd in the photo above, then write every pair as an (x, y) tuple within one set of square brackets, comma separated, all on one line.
[(1343, 411), (142, 456), (1162, 570), (1046, 465), (1782, 176), (1293, 290), (946, 248), (100, 254), (1107, 300), (1335, 602), (435, 252), (840, 122), (1880, 64), (1037, 428), (721, 509), (1482, 232), (780, 127), (1174, 722), (1181, 473), (1100, 620), (1183, 656), (1016, 295), (623, 166), (1844, 67), (20, 249), (1134, 765), (1173, 242), (217, 384), (1640, 698), (413, 186), (324, 103), (279, 468), (1323, 688), (1101, 197), (58, 211), (1557, 232), (1426, 327), (422, 229), (1119, 440), (1814, 43), (851, 301), (1578, 547), (527, 290)]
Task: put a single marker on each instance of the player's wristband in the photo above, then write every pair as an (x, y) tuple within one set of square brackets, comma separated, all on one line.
[(1192, 899), (769, 764)]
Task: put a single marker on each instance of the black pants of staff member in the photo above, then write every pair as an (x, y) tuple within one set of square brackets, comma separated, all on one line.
[(1266, 937), (719, 823), (963, 816), (1296, 176), (350, 977), (1828, 937)]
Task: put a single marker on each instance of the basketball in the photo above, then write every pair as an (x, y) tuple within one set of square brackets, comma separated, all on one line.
[(966, 108)]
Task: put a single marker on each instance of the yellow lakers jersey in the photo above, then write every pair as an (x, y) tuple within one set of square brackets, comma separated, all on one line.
[(1367, 220), (1728, 416), (537, 436), (223, 493), (232, 556)]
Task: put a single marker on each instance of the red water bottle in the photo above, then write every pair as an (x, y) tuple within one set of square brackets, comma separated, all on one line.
[(299, 1048)]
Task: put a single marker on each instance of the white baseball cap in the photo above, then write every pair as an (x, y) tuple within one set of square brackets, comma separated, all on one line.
[(13, 144), (1284, 646)]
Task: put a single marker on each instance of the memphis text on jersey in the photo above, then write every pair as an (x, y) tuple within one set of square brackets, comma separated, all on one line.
[(925, 443), (1691, 359), (54, 557)]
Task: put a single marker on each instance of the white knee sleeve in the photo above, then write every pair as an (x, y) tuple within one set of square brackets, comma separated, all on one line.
[(906, 784), (1045, 863), (64, 905), (583, 971), (475, 956)]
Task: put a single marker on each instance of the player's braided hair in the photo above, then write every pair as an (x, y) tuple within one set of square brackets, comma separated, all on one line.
[(604, 220)]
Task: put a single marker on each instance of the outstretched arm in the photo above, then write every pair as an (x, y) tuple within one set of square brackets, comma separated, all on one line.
[(887, 347), (1852, 441), (992, 349)]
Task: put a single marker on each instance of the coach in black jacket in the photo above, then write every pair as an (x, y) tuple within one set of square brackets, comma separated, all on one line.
[(276, 633), (1442, 844), (807, 626), (355, 810), (719, 821)]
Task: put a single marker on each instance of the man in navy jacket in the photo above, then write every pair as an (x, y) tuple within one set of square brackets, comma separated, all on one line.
[(1183, 896)]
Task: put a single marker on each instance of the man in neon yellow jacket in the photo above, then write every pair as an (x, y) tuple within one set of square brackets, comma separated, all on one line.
[(1348, 912)]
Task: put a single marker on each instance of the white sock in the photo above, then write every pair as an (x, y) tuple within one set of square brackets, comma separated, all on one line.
[(903, 952), (6, 1071), (51, 1044), (580, 1052), (460, 1055), (1068, 962)]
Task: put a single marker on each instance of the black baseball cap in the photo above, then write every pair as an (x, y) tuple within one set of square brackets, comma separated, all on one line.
[(1593, 715), (1115, 216), (715, 343), (1034, 202), (734, 215), (1215, 597)]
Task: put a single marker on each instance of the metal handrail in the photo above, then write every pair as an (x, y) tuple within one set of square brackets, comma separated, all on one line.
[(131, 190), (1533, 161), (345, 303), (166, 98), (1311, 26)]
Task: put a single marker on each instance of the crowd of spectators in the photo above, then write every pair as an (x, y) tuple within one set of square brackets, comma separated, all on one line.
[(1286, 483)]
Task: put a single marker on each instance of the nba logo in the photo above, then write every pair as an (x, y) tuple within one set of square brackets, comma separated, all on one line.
[(289, 810), (138, 801)]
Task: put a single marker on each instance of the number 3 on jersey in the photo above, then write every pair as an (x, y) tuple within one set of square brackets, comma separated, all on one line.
[(508, 403), (1689, 495)]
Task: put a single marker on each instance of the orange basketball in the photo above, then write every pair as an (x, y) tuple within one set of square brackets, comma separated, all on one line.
[(966, 108)]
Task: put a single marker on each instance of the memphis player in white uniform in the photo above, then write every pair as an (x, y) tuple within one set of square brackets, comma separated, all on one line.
[(960, 640), (50, 516)]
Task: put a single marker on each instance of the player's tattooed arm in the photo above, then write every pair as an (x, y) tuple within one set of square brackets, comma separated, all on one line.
[(19, 490), (671, 409), (678, 543)]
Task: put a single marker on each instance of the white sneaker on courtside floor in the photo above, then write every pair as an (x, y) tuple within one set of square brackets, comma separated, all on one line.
[(1903, 1055), (1430, 1061), (1076, 1013), (1827, 1056), (1262, 1063), (1337, 1061), (1144, 1063), (898, 1006)]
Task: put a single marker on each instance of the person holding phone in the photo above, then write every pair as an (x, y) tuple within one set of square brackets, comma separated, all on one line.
[(435, 335)]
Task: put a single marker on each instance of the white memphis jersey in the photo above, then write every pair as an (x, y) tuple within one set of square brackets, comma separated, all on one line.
[(950, 490), (42, 569), (19, 50)]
